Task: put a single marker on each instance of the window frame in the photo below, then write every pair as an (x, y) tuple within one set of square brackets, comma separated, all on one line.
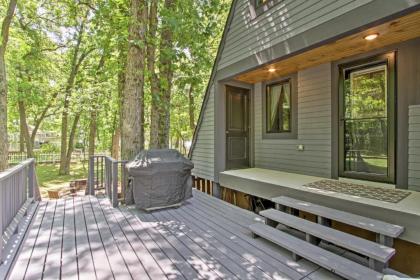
[(389, 60), (258, 10), (292, 134)]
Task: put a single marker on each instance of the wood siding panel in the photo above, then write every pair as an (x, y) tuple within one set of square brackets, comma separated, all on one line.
[(203, 153), (314, 128), (414, 148), (248, 36)]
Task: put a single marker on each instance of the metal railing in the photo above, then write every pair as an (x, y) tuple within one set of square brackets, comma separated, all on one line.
[(17, 187), (108, 174)]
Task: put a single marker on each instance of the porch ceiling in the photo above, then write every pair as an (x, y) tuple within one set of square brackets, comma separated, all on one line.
[(394, 31)]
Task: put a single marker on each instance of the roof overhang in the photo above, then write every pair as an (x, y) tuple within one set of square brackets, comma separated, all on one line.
[(391, 32)]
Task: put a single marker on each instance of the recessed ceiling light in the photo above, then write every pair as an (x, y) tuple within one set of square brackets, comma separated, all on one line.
[(271, 70), (371, 37)]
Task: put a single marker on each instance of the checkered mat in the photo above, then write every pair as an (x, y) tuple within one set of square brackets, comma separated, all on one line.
[(382, 194)]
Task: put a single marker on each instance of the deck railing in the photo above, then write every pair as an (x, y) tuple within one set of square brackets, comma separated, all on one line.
[(17, 187), (108, 174)]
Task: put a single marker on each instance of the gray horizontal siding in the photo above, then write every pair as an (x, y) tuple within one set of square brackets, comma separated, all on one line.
[(414, 148), (285, 20), (203, 153), (314, 128)]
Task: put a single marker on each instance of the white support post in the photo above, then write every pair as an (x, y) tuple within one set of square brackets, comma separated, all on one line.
[(114, 192)]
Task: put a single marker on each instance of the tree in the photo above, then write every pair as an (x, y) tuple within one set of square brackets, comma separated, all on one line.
[(4, 148), (132, 138)]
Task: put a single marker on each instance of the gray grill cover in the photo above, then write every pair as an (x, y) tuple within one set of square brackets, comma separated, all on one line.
[(160, 178)]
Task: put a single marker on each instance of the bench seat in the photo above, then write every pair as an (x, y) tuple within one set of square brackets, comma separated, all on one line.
[(356, 244), (379, 227), (330, 261)]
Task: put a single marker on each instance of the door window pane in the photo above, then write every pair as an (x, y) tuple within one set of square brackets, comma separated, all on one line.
[(366, 120), (278, 108)]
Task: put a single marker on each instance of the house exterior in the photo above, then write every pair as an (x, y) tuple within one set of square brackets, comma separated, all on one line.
[(308, 90)]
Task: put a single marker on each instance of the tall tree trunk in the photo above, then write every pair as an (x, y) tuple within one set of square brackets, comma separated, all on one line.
[(153, 77), (21, 138), (4, 37), (115, 149), (92, 132), (166, 75), (25, 130), (71, 143), (41, 117), (191, 107), (132, 140), (75, 64)]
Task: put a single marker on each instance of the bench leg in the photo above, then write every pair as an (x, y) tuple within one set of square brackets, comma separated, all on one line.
[(280, 207), (376, 265), (296, 257), (324, 221), (312, 239), (385, 240), (271, 223)]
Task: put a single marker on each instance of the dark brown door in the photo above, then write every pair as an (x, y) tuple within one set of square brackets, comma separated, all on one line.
[(237, 128)]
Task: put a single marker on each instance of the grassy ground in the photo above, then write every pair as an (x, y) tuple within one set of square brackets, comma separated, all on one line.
[(49, 179)]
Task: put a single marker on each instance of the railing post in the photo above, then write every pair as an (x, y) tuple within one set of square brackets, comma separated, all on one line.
[(31, 179), (91, 177), (114, 192)]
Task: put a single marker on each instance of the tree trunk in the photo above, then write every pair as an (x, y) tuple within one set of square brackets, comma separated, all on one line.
[(166, 75), (4, 37), (24, 129), (75, 64), (21, 138), (43, 115), (115, 149), (71, 144), (153, 77), (132, 140), (191, 108), (92, 133)]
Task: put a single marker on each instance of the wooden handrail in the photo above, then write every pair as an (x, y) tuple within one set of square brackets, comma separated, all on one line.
[(103, 173), (17, 186)]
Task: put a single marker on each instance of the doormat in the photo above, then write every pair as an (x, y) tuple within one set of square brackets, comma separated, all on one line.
[(377, 193)]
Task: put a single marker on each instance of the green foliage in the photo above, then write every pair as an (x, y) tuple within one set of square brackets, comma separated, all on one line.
[(43, 40)]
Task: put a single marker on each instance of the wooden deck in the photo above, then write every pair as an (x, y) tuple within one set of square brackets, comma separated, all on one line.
[(85, 238)]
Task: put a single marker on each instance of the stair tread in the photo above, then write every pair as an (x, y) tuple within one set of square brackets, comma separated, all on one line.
[(348, 241), (370, 224), (330, 261)]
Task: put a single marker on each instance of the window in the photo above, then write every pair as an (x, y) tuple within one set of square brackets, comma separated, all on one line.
[(278, 107), (260, 6), (260, 3), (367, 121)]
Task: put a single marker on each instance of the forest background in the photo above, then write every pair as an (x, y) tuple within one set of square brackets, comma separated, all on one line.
[(111, 76)]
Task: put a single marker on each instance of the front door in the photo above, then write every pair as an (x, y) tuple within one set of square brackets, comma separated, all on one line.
[(367, 120), (237, 128)]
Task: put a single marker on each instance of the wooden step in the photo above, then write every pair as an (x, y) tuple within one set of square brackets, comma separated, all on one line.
[(330, 261), (373, 225), (356, 244)]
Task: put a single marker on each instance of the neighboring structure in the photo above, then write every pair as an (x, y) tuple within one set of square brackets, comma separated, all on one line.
[(42, 137), (307, 90)]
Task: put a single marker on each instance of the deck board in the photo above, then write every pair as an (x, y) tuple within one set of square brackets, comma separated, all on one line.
[(27, 247), (68, 253), (85, 238), (40, 249)]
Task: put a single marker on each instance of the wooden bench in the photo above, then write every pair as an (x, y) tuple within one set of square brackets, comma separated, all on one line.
[(378, 254), (385, 232), (330, 261)]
